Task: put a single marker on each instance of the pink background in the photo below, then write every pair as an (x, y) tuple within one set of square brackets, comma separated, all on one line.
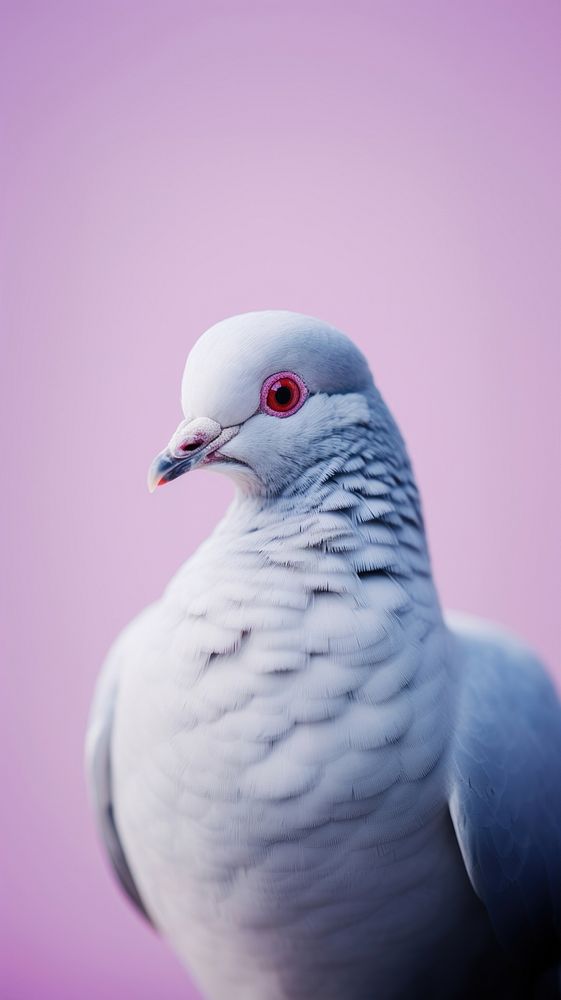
[(391, 167)]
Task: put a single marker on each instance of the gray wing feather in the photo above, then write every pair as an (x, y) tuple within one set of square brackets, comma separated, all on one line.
[(505, 797), (98, 771)]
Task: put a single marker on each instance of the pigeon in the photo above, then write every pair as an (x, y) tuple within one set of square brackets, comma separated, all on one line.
[(311, 781)]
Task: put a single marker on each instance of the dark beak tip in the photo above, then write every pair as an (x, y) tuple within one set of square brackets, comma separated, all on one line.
[(165, 468), (155, 476)]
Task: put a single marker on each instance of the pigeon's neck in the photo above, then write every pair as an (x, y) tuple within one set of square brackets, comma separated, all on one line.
[(354, 515)]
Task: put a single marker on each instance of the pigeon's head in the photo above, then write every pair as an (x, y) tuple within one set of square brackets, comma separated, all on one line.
[(266, 397)]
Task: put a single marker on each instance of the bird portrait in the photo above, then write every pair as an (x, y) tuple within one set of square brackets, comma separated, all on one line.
[(309, 778)]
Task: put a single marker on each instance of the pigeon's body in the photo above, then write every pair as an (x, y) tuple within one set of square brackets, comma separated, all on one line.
[(280, 739)]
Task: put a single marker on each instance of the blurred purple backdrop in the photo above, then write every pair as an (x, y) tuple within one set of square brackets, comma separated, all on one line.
[(392, 168)]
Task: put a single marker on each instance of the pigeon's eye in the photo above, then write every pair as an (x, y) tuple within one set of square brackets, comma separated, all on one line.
[(282, 394)]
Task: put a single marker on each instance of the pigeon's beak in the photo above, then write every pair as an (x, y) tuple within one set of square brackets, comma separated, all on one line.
[(195, 442)]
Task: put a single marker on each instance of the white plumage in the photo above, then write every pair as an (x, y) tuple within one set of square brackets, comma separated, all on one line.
[(277, 745)]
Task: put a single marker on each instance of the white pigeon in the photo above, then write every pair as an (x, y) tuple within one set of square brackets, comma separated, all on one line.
[(310, 782)]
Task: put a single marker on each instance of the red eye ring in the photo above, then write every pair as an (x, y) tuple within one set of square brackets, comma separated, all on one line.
[(283, 394)]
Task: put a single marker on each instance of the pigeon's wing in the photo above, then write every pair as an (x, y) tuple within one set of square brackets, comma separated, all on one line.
[(505, 797), (98, 772)]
